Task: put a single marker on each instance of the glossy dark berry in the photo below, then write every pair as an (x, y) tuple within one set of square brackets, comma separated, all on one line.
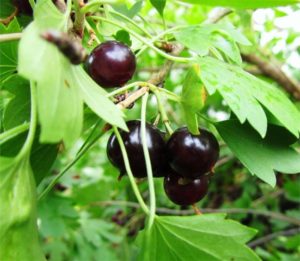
[(23, 7), (134, 148), (183, 191), (192, 155), (111, 64)]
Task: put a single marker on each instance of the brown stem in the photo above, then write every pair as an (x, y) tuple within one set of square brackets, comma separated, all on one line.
[(61, 5), (7, 20), (196, 209), (217, 14), (79, 18), (272, 70), (270, 214)]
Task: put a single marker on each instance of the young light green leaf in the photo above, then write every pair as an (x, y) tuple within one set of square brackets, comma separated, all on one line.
[(159, 6), (261, 156), (47, 15), (243, 4), (94, 97), (59, 103), (197, 238), (245, 95), (61, 87), (193, 98), (18, 212)]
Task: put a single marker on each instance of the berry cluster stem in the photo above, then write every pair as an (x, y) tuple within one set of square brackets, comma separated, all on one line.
[(163, 113), (129, 172), (148, 162)]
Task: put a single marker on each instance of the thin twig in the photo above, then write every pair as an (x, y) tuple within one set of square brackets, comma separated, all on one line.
[(267, 238), (223, 161), (217, 14), (10, 37), (168, 211), (79, 18), (265, 197), (61, 5)]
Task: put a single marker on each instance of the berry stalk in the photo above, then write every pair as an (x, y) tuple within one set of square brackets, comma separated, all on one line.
[(148, 162), (129, 172)]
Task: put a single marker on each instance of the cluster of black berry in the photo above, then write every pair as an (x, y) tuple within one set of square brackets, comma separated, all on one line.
[(184, 161)]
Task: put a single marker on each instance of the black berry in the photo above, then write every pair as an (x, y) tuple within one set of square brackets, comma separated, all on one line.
[(192, 155), (183, 191), (111, 64), (23, 7), (134, 148)]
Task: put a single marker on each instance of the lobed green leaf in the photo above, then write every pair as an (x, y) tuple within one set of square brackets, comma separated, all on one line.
[(261, 156), (248, 96), (8, 51), (18, 211), (197, 238)]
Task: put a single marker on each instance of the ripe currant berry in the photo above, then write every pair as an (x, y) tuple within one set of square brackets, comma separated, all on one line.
[(134, 148), (23, 7), (183, 191), (190, 155), (111, 64)]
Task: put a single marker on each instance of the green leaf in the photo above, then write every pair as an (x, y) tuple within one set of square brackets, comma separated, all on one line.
[(18, 211), (59, 103), (228, 47), (7, 8), (8, 51), (95, 230), (292, 191), (247, 95), (129, 12), (42, 157), (123, 36), (260, 156), (97, 191), (193, 98), (220, 36), (61, 87), (55, 212), (159, 5), (200, 42), (205, 237), (17, 110), (95, 97), (243, 4)]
